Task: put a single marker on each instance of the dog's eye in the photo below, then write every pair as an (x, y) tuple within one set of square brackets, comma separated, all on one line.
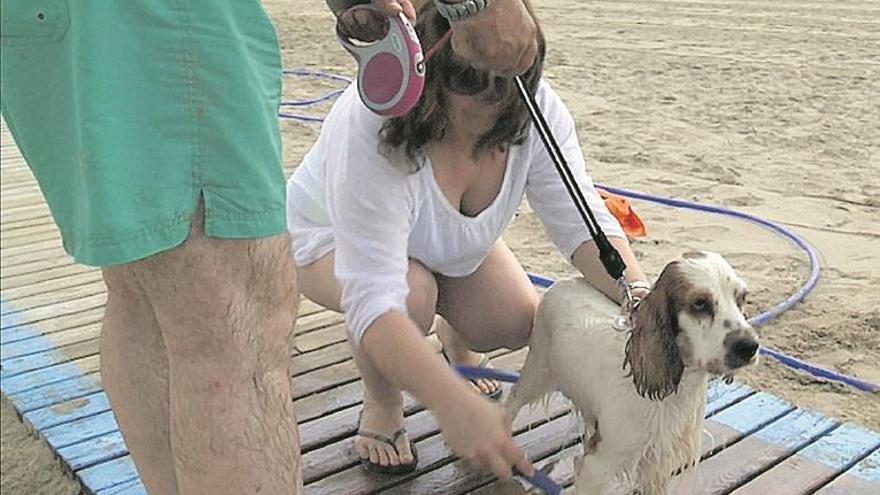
[(700, 304)]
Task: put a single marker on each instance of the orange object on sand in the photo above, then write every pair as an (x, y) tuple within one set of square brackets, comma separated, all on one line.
[(623, 212)]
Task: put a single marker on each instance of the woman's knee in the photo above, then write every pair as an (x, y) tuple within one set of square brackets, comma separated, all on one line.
[(422, 300), (520, 330), (510, 328)]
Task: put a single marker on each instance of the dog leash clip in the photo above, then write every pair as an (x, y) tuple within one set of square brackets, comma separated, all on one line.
[(624, 322)]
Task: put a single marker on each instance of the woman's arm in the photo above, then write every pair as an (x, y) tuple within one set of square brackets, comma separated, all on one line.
[(474, 428), (586, 259)]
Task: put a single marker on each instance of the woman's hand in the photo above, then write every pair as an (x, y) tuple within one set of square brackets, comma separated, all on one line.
[(365, 25), (502, 38), (478, 431)]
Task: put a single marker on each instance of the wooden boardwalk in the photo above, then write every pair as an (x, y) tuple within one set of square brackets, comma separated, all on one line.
[(51, 313)]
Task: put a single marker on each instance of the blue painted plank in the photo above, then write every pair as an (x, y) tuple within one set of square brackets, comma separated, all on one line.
[(12, 334), (746, 457), (30, 362), (133, 487), (25, 347), (753, 412), (54, 393), (796, 429), (868, 469), (25, 381), (12, 326), (720, 395), (80, 430), (109, 474), (843, 447), (66, 412), (94, 451)]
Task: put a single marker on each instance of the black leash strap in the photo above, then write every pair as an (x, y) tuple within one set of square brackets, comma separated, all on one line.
[(609, 256)]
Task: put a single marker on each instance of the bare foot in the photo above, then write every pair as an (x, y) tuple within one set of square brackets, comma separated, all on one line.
[(384, 421), (458, 353)]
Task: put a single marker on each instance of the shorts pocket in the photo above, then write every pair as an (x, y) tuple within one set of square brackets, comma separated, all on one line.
[(29, 21)]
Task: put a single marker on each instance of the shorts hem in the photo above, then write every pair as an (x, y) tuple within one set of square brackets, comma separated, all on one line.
[(165, 235)]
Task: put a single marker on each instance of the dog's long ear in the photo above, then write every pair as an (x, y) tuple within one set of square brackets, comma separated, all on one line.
[(652, 353)]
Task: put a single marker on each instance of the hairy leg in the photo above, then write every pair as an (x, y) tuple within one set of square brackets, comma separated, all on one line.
[(225, 308), (134, 373), (383, 404)]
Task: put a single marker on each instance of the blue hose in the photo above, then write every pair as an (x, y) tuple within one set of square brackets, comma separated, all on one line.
[(758, 320)]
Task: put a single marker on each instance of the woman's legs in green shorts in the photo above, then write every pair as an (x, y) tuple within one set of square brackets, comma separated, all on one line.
[(195, 361)]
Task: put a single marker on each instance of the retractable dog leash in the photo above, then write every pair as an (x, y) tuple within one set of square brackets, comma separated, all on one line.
[(391, 71)]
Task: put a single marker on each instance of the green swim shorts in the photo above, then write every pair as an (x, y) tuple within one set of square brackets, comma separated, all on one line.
[(128, 111)]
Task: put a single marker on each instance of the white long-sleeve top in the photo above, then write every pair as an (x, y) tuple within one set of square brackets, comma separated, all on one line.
[(348, 197)]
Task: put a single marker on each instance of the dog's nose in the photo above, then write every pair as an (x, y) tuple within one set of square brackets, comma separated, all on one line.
[(744, 349)]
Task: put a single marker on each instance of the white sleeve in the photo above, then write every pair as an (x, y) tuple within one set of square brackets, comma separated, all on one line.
[(547, 193), (370, 205)]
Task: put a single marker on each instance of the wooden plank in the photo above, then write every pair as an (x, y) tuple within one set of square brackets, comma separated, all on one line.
[(76, 432), (15, 296), (38, 233), (57, 355), (110, 474), (56, 393), (313, 341), (37, 246), (69, 410), (25, 278), (47, 376), (94, 451), (21, 227), (55, 261), (861, 479), (12, 261), (316, 321), (46, 223), (332, 354), (56, 295), (53, 312), (736, 465), (14, 330), (23, 213), (58, 340), (815, 465), (720, 396), (133, 487)]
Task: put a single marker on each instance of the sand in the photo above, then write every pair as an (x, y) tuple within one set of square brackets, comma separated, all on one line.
[(766, 107)]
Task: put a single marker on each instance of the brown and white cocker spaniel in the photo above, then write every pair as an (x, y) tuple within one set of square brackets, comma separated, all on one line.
[(641, 394)]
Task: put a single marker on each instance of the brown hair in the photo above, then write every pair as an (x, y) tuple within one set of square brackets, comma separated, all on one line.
[(428, 120)]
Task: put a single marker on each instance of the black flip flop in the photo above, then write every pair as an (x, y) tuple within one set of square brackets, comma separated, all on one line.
[(484, 363), (392, 441)]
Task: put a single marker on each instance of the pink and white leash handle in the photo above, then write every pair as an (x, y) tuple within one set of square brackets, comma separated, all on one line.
[(391, 71)]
